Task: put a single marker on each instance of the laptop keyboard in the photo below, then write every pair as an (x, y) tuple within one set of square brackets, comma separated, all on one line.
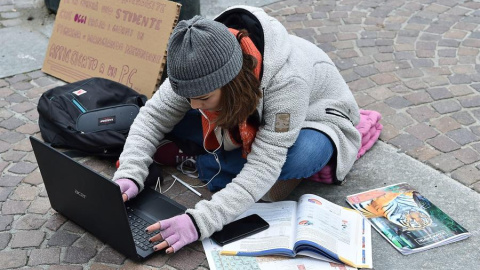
[(140, 236)]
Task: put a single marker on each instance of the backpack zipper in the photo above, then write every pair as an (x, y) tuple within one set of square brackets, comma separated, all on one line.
[(78, 105)]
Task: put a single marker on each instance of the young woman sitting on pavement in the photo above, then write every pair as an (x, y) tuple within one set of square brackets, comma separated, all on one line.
[(269, 108)]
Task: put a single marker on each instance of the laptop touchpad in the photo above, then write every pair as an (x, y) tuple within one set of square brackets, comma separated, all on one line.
[(155, 207), (158, 209)]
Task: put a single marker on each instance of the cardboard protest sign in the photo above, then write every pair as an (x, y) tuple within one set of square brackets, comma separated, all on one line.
[(121, 40)]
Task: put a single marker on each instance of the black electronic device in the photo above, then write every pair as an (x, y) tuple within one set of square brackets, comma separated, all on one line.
[(239, 229), (95, 203)]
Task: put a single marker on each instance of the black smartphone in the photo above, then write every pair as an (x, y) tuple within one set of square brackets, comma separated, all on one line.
[(239, 229)]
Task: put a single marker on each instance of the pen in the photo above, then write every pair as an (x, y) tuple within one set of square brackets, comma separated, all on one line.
[(240, 253), (187, 186), (229, 253)]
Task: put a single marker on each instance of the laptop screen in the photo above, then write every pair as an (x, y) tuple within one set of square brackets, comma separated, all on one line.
[(85, 197)]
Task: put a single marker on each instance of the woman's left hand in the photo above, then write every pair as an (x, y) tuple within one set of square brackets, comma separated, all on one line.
[(176, 232)]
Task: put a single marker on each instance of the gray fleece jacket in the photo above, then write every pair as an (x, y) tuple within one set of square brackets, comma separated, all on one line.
[(301, 89)]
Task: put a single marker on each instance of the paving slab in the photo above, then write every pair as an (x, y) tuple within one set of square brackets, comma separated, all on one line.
[(25, 54)]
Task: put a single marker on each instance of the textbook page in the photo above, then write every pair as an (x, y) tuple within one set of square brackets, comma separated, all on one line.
[(278, 237), (341, 231), (220, 262)]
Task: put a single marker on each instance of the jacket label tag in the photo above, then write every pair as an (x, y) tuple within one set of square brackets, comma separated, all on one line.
[(282, 122)]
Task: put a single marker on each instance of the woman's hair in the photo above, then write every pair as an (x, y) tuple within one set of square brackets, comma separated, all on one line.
[(239, 97)]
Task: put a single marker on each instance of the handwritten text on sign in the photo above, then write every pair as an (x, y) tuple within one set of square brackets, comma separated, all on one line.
[(124, 41)]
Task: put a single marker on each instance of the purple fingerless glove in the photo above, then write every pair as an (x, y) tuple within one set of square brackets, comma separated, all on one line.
[(178, 231), (128, 187)]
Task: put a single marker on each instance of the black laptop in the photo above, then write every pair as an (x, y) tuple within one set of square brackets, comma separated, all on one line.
[(95, 203)]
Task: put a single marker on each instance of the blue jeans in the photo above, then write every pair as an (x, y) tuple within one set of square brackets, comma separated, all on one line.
[(309, 154)]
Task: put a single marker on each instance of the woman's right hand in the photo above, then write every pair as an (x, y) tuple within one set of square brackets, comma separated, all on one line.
[(128, 188)]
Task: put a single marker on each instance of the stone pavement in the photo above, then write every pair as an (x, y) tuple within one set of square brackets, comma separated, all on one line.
[(416, 62)]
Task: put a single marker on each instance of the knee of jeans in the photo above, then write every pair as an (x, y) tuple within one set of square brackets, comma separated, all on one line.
[(313, 143), (309, 154)]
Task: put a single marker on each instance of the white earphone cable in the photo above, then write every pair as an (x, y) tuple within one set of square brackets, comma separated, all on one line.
[(212, 153)]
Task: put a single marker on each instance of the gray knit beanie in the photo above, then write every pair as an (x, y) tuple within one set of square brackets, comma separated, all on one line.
[(202, 55)]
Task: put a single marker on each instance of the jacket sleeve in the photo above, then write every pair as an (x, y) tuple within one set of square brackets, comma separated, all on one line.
[(284, 111), (155, 119)]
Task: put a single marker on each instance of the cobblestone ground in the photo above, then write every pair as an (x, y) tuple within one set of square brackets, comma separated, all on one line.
[(416, 62)]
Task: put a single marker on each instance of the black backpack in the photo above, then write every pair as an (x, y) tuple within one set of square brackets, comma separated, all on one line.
[(92, 116)]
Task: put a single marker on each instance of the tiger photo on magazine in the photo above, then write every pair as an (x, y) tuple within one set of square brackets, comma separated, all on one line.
[(408, 220)]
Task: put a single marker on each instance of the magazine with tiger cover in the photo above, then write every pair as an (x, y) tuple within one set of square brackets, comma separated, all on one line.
[(408, 220)]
